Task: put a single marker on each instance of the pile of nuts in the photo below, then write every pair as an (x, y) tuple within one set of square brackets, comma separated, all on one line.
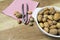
[(49, 20), (19, 16)]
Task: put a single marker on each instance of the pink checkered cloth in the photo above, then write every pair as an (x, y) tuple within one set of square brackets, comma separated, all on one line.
[(16, 5)]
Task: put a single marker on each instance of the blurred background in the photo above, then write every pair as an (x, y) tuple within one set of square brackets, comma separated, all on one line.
[(11, 30)]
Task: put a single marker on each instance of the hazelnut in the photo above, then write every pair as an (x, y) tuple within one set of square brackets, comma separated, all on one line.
[(18, 15), (53, 31), (50, 17), (58, 25), (56, 16), (41, 25), (46, 29), (46, 24), (39, 18), (52, 10), (53, 26), (29, 12), (31, 19)]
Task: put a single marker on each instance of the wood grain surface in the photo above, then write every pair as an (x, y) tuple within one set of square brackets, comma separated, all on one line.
[(11, 30)]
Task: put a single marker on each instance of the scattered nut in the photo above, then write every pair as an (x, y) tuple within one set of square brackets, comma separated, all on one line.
[(46, 29), (31, 19), (18, 15), (29, 12), (53, 31)]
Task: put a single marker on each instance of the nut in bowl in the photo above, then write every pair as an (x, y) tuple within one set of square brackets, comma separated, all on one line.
[(48, 20)]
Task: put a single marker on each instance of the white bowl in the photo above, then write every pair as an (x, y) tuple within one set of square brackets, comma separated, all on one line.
[(34, 15)]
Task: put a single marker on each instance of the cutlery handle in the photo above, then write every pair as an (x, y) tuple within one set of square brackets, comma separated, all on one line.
[(27, 7), (23, 15)]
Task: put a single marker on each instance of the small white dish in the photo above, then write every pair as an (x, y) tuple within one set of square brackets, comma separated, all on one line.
[(34, 15)]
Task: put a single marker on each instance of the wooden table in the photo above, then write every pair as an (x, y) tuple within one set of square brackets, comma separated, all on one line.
[(11, 30)]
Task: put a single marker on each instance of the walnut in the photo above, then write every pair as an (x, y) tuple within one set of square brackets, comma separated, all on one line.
[(50, 22), (53, 26), (44, 19), (46, 12), (29, 12), (54, 22), (53, 31), (50, 17), (31, 19), (45, 9), (46, 24), (41, 25), (52, 10), (45, 16), (39, 18), (17, 14), (58, 25), (46, 29), (56, 16)]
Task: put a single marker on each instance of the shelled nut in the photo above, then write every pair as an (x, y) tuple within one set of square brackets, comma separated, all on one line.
[(53, 26), (39, 18), (56, 16), (29, 12), (46, 24), (50, 17), (58, 25), (53, 31), (31, 19), (41, 25), (46, 29), (17, 14), (52, 10)]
